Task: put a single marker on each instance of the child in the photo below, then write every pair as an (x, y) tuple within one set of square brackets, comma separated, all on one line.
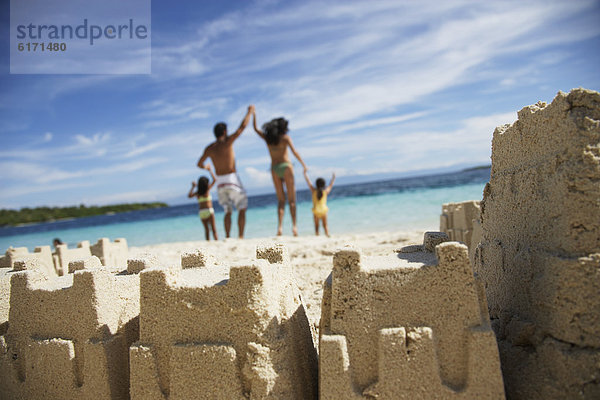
[(319, 198), (206, 213)]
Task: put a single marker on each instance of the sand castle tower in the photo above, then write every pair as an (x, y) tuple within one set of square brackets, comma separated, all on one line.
[(111, 254), (68, 337), (408, 326), (63, 255), (214, 332), (20, 259), (462, 223), (540, 252)]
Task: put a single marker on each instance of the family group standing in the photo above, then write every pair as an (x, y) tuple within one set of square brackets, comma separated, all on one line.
[(231, 193)]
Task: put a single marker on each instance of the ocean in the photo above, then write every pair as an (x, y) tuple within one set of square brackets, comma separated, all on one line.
[(391, 205)]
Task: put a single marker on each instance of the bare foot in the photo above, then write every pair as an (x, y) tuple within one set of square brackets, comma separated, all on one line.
[(295, 230), (279, 231)]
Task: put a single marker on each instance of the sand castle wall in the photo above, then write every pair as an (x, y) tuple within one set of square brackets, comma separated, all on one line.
[(410, 326), (20, 259), (68, 337), (458, 221), (43, 260), (5, 275), (7, 260), (219, 332), (63, 255), (111, 254), (540, 251), (42, 254)]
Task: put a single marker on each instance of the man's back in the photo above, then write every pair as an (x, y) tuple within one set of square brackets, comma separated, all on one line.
[(222, 155)]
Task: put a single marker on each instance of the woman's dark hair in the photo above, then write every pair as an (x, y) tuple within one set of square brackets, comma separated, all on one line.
[(320, 186), (274, 130), (202, 185)]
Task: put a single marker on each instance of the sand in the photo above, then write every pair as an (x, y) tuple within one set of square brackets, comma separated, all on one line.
[(311, 256)]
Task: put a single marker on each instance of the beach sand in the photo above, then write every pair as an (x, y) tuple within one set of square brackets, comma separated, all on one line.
[(311, 256)]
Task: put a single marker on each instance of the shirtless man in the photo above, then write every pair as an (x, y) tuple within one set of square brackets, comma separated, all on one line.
[(229, 187)]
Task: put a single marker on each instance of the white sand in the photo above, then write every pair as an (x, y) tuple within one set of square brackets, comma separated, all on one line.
[(311, 256)]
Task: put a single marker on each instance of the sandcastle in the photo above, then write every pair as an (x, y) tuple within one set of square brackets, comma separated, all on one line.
[(113, 254), (63, 255), (19, 259), (68, 336), (540, 251), (462, 223), (199, 330), (233, 333), (43, 260), (407, 327), (42, 254)]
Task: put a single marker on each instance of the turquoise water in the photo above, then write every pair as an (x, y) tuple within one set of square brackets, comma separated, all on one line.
[(409, 209)]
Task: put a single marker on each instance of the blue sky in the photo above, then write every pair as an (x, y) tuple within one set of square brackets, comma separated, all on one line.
[(369, 87)]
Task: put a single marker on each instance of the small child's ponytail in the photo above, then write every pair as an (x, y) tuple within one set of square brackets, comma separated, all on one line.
[(320, 186)]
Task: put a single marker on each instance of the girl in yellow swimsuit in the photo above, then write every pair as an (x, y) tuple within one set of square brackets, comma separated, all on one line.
[(319, 198), (206, 211)]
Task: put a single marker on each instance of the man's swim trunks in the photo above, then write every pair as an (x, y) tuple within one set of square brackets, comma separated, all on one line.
[(231, 192)]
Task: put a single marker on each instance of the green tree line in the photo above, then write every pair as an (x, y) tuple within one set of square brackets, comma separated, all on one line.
[(44, 214)]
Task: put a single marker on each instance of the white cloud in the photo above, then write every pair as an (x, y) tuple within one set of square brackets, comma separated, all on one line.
[(94, 140), (258, 178), (374, 86), (340, 81), (21, 190), (38, 173)]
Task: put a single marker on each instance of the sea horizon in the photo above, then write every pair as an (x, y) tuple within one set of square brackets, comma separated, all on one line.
[(389, 205)]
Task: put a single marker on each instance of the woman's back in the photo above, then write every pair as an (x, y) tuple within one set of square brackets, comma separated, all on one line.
[(279, 151)]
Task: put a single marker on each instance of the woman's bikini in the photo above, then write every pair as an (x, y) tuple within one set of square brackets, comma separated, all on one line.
[(280, 168)]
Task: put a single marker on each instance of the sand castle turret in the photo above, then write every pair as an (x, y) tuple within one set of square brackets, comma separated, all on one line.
[(111, 254), (214, 332), (68, 337), (42, 255), (410, 326), (19, 259), (63, 255), (540, 251), (462, 223)]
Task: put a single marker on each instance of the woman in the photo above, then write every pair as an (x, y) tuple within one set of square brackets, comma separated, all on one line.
[(278, 141)]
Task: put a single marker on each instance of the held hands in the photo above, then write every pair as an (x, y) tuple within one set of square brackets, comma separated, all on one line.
[(251, 109)]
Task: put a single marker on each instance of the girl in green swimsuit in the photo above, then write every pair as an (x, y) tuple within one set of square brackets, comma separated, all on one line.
[(274, 133), (206, 211)]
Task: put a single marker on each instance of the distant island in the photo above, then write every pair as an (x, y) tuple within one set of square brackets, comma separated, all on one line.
[(46, 214), (477, 168)]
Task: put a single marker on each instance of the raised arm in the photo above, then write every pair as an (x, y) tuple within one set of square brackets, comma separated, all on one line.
[(310, 186), (243, 125), (293, 149), (258, 131), (202, 160), (328, 189), (214, 178), (192, 193)]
